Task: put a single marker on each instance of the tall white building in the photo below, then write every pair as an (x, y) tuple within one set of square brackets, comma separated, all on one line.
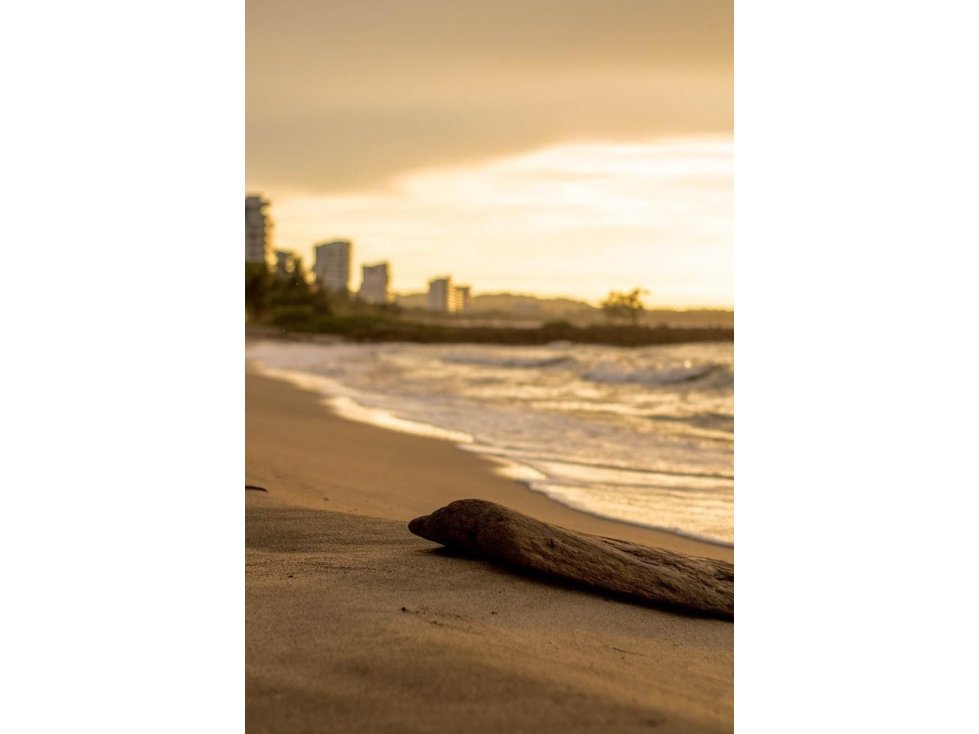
[(258, 229), (445, 297), (374, 285), (332, 265)]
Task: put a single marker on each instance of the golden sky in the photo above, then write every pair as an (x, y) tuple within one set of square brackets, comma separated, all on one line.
[(562, 147)]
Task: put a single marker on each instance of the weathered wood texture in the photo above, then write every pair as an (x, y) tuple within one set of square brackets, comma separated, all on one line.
[(496, 533)]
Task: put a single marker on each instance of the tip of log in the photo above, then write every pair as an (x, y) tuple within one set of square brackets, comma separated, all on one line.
[(417, 526)]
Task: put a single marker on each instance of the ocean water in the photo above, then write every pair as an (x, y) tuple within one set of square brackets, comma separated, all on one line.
[(643, 435)]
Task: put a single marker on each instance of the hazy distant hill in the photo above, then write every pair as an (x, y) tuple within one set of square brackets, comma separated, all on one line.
[(509, 305)]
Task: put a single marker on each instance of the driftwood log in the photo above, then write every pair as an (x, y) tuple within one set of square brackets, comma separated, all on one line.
[(688, 583)]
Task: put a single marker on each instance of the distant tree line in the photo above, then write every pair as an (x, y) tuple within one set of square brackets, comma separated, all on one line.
[(292, 300), (288, 303)]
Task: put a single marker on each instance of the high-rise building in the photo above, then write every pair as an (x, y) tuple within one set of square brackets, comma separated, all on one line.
[(258, 229), (445, 297), (374, 285), (463, 294), (438, 294), (332, 265)]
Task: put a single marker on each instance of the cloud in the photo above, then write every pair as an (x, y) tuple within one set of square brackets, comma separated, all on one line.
[(347, 95)]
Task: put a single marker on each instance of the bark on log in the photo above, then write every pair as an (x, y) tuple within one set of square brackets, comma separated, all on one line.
[(689, 583)]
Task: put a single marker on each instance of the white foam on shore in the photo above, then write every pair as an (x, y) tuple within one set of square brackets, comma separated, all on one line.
[(341, 402), (347, 408), (554, 493), (511, 469)]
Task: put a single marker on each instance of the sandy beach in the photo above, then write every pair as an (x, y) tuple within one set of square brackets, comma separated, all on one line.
[(354, 624)]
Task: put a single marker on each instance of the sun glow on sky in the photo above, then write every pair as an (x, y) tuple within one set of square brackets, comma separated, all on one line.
[(568, 220)]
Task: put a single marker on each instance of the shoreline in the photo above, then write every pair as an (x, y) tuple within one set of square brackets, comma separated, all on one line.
[(486, 481), (503, 465)]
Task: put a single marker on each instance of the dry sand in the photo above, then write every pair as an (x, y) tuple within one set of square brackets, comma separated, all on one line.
[(355, 625)]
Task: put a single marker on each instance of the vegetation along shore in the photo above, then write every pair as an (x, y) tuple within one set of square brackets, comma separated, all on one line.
[(293, 308)]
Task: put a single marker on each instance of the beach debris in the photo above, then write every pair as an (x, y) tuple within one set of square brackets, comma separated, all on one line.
[(677, 581), (255, 488)]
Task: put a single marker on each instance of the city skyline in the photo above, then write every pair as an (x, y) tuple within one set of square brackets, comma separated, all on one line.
[(375, 283), (592, 151)]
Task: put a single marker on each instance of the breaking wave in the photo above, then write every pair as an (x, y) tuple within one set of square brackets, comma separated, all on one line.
[(675, 376)]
